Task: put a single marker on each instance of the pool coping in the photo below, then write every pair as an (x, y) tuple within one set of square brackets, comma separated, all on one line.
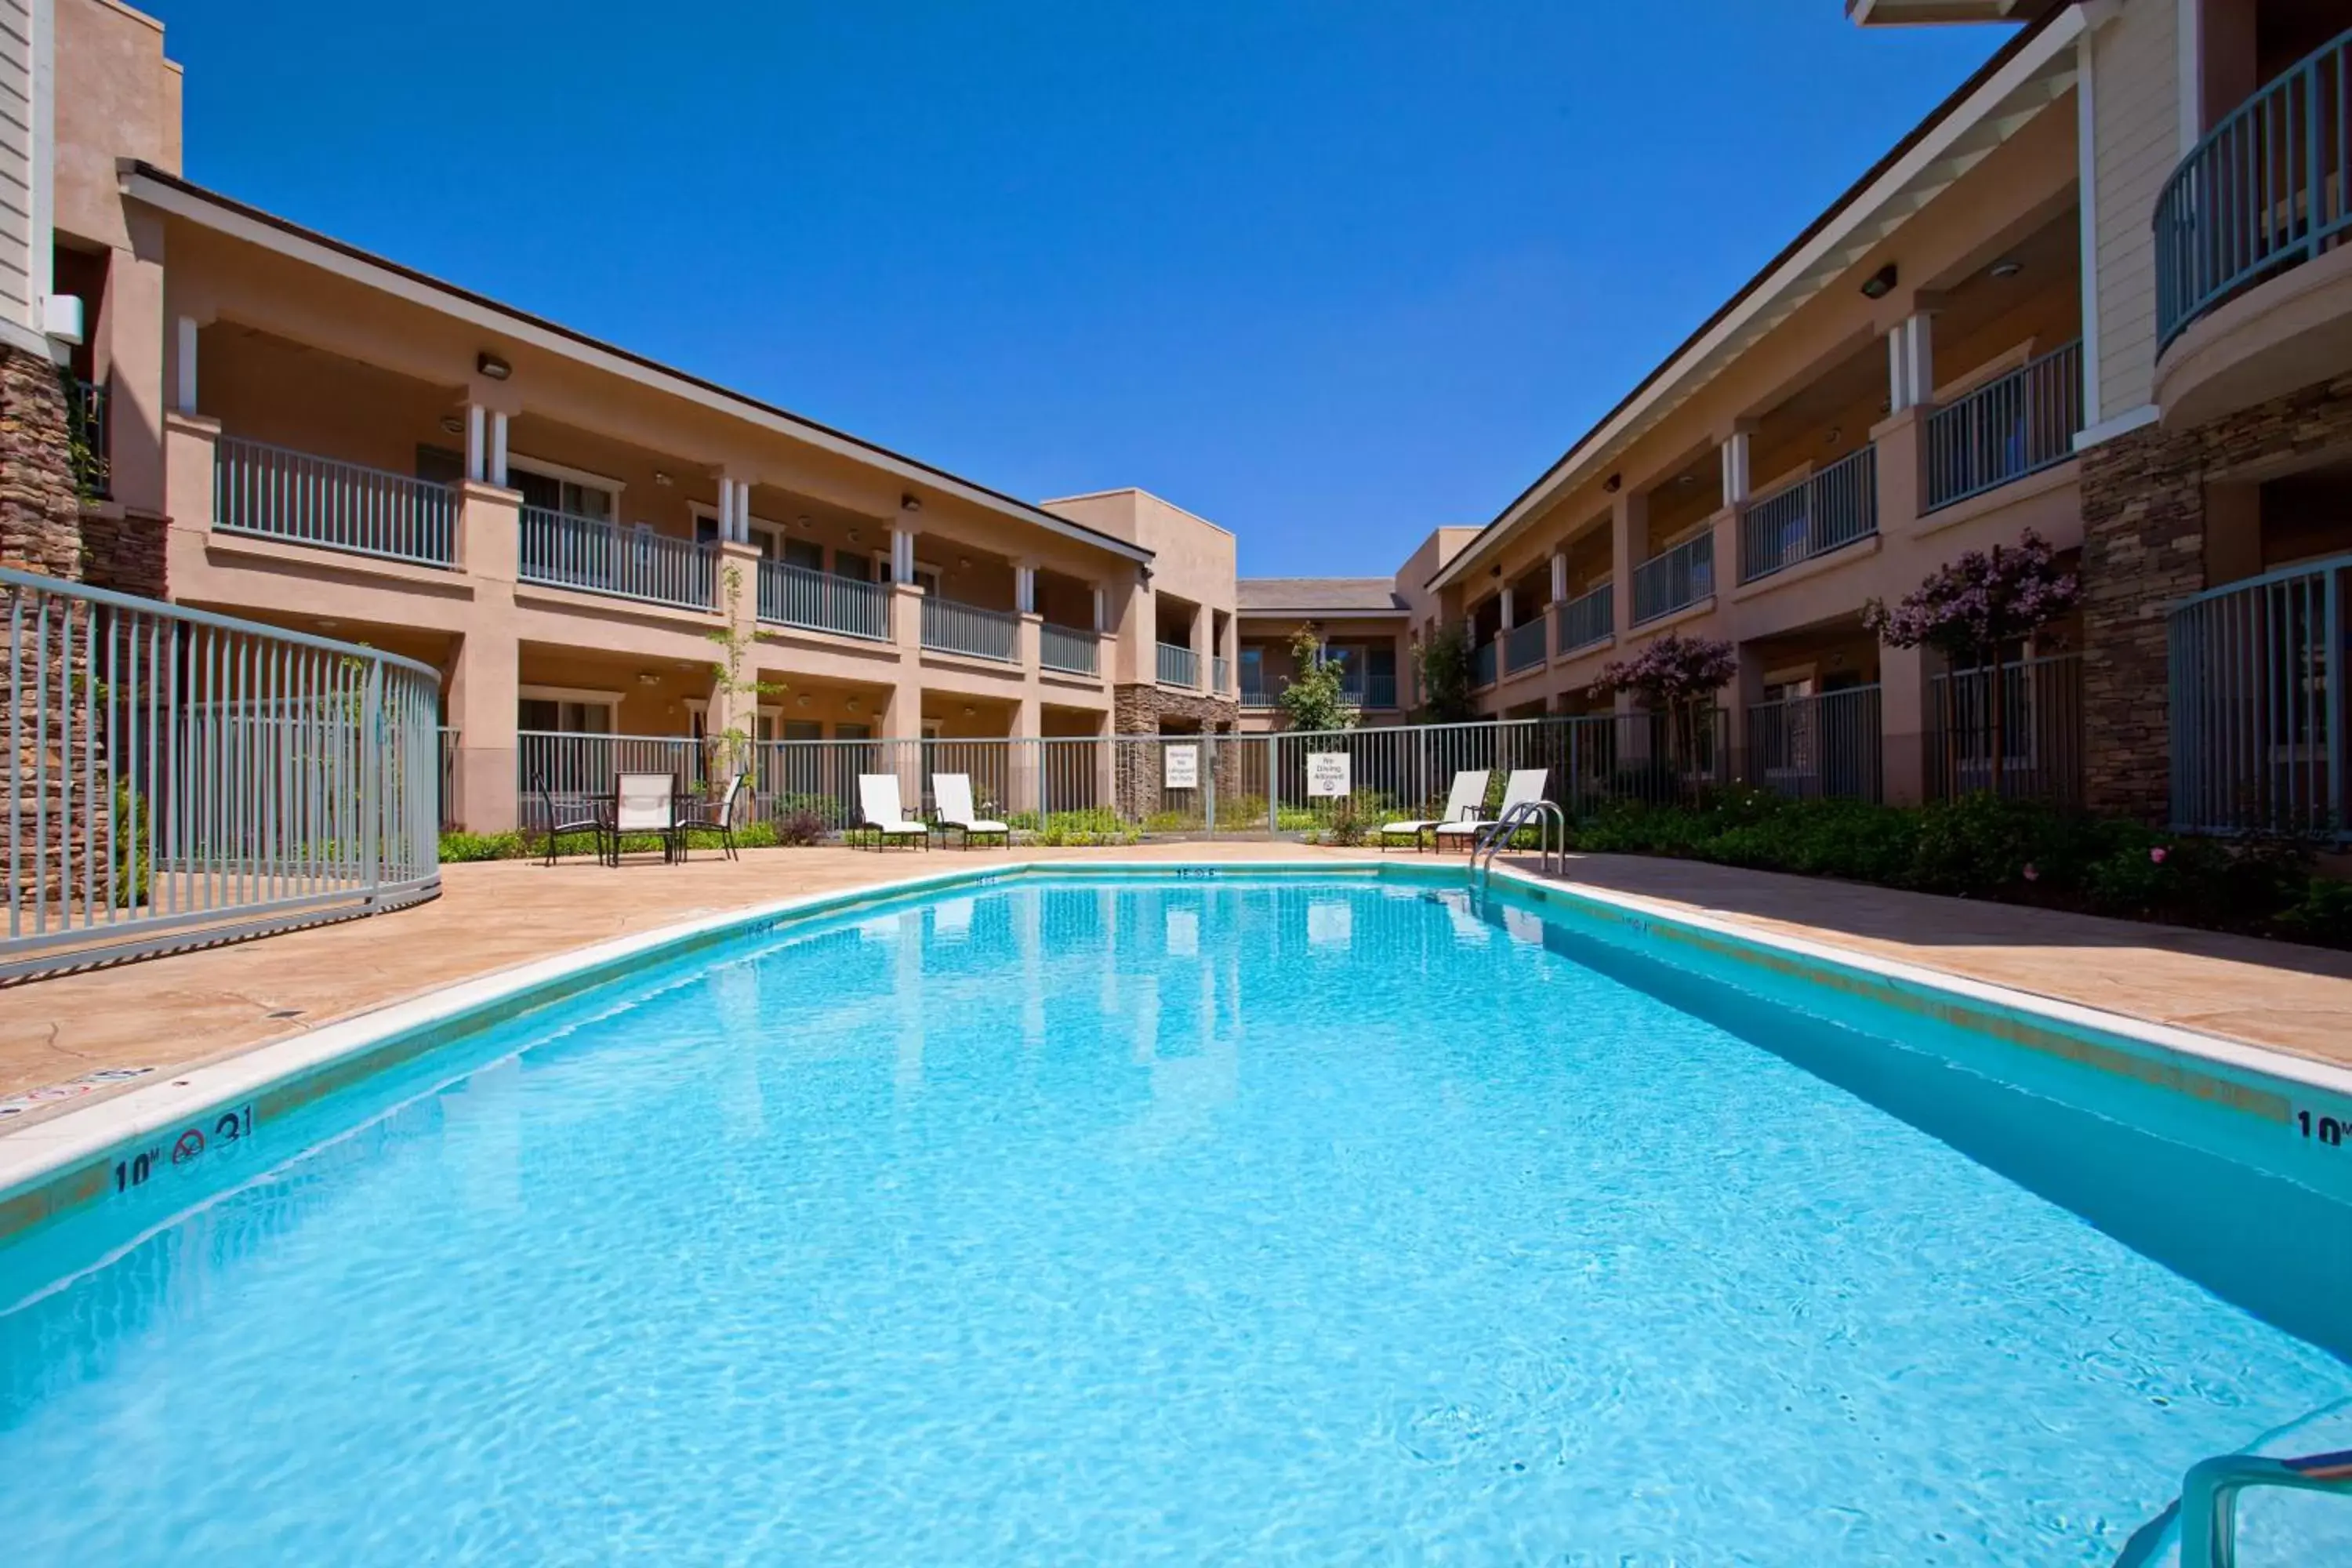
[(63, 1162)]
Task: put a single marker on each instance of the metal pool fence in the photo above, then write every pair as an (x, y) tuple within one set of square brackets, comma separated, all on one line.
[(177, 778), (1224, 785)]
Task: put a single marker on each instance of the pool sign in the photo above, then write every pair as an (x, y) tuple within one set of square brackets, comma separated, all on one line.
[(1327, 774), (1182, 767)]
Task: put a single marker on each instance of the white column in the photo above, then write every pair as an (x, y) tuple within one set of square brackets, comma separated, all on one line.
[(1559, 576), (902, 554), (1102, 608), (1736, 477), (730, 510), (477, 421), (1911, 362), (499, 448), (187, 345), (1508, 620), (1024, 589)]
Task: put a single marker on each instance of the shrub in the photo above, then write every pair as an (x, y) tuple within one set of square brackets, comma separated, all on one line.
[(459, 847), (2322, 916), (799, 828), (1346, 825)]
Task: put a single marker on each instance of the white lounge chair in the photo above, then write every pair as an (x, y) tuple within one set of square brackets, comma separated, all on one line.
[(646, 802), (877, 802), (1462, 803), (952, 795), (1525, 785)]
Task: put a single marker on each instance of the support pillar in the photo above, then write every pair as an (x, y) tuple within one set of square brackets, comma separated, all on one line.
[(1629, 542), (1906, 714), (484, 683)]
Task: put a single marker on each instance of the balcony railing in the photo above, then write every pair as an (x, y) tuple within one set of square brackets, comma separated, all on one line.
[(2259, 711), (2030, 745), (952, 627), (1589, 618), (1674, 580), (86, 447), (1069, 650), (1371, 691), (822, 601), (1178, 666), (279, 493), (562, 550), (1827, 512), (1221, 675), (2018, 425), (1482, 664), (2263, 192), (1811, 747), (1523, 647)]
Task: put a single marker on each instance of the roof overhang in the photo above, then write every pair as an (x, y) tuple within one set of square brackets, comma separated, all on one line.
[(1911, 13), (168, 193), (1321, 612), (2029, 74)]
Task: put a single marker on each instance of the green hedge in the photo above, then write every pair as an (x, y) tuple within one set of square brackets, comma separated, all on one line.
[(1980, 847), (458, 847)]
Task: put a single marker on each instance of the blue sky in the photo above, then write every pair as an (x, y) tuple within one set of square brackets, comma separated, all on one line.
[(1327, 272)]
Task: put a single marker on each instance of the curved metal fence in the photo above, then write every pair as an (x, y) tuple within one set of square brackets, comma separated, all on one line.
[(177, 778), (2259, 704), (2261, 191)]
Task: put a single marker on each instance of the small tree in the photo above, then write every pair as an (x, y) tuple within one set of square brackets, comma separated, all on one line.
[(1316, 698), (1676, 675), (731, 748), (1442, 661), (1971, 608)]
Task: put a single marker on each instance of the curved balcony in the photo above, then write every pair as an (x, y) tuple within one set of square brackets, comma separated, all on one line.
[(2262, 192)]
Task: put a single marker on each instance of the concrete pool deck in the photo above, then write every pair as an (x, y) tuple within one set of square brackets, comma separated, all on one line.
[(178, 1012)]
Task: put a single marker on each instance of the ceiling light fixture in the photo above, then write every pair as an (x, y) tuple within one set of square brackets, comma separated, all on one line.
[(1879, 284), (910, 502), (491, 366), (1614, 483), (661, 478), (452, 423), (2007, 267)]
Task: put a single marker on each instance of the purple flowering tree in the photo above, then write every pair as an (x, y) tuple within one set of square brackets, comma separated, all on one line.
[(1969, 609), (1676, 675)]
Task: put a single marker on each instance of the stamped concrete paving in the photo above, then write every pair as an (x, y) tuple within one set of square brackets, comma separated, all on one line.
[(179, 1011)]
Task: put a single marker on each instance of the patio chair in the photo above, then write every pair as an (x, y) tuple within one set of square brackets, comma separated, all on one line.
[(593, 824), (1524, 786), (718, 819), (1462, 803), (882, 816), (953, 793), (646, 802)]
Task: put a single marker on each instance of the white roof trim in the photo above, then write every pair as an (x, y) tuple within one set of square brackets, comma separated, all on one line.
[(198, 208), (2036, 77)]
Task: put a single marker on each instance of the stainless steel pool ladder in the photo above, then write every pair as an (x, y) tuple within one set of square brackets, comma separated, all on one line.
[(1551, 823), (2208, 1498)]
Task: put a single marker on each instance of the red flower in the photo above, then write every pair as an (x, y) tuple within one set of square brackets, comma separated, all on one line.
[(2031, 874), (2157, 854)]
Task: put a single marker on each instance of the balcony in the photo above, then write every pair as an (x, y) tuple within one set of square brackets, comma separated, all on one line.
[(1179, 666), (952, 627), (1363, 688), (1830, 510), (2262, 192), (1221, 675), (2259, 708), (1069, 650), (1482, 664), (1523, 647), (275, 492), (586, 553), (1590, 617), (822, 601), (2018, 425), (1256, 695), (1674, 580), (1824, 746)]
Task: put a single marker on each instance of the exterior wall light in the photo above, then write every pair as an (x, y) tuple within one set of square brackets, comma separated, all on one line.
[(2007, 267), (491, 366), (910, 502), (1879, 284)]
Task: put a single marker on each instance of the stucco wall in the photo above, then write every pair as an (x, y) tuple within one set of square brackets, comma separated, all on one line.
[(2135, 118)]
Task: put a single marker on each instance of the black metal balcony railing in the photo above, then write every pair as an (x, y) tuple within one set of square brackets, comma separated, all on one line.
[(2263, 192), (2015, 425), (1828, 745), (1827, 512), (85, 437)]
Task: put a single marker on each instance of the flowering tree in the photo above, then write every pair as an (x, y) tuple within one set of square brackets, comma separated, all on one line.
[(1676, 675), (1969, 609)]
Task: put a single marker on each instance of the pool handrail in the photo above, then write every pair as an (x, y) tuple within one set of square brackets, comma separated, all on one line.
[(2209, 1497), (1546, 815)]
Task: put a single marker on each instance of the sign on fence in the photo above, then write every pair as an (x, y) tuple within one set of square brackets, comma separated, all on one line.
[(1182, 767), (1328, 775)]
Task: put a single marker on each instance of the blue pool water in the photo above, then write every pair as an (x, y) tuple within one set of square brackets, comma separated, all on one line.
[(1140, 1221)]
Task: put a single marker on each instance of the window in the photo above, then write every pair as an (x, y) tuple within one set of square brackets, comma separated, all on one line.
[(804, 730), (574, 713), (849, 564), (805, 553), (553, 489), (1253, 674), (853, 731)]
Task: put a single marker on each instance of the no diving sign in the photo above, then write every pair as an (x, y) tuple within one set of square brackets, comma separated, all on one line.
[(1328, 775)]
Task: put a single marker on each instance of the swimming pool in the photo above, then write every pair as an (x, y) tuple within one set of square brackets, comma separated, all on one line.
[(1145, 1218)]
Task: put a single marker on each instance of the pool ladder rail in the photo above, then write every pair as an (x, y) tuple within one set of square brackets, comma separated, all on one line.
[(1551, 838), (2209, 1497)]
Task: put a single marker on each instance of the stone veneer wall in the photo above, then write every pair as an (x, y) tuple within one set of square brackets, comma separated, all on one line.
[(2143, 548), (40, 517), (1136, 709)]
